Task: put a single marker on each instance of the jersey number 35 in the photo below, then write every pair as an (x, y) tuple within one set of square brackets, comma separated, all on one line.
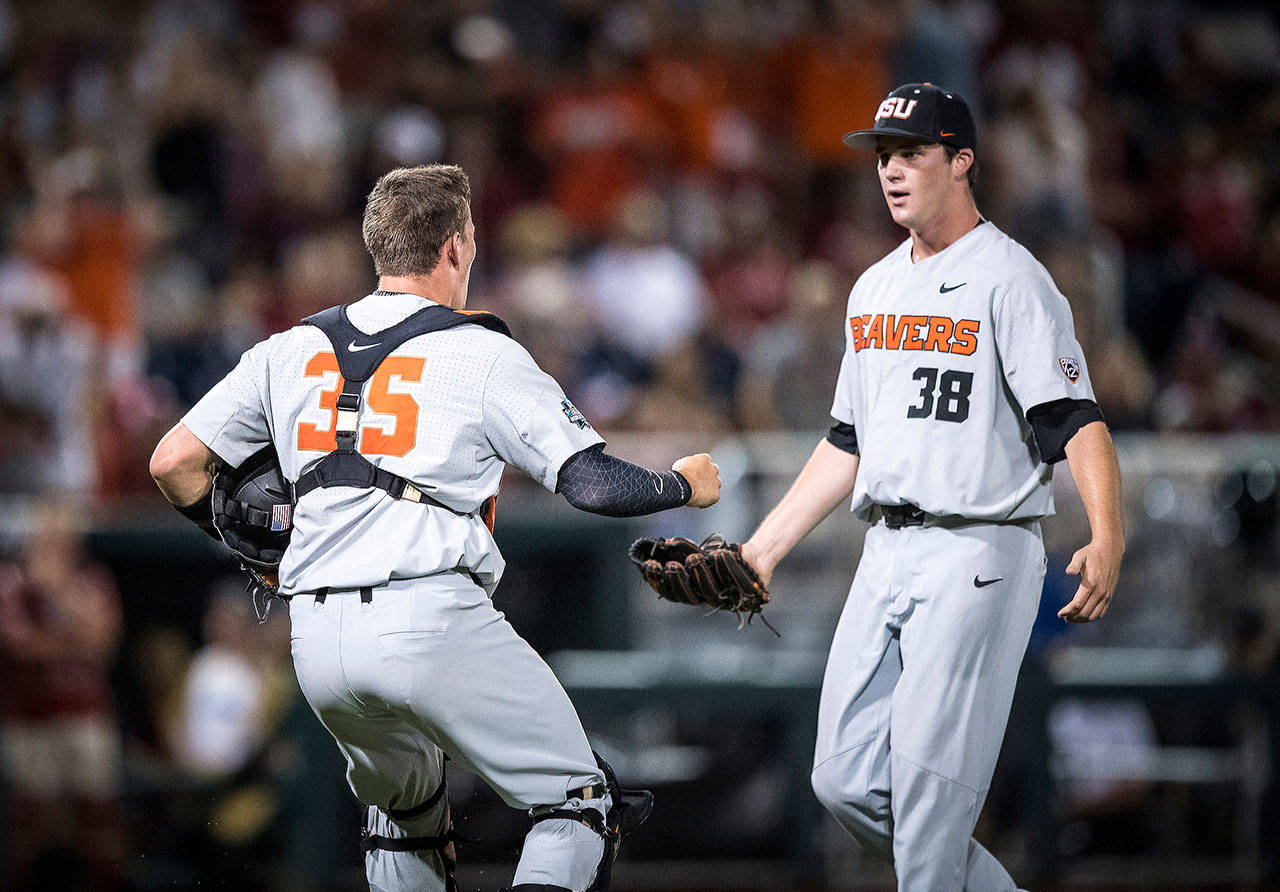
[(373, 439)]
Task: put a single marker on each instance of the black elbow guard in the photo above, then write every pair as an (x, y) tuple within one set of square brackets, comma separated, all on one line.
[(843, 436), (1055, 423), (201, 514)]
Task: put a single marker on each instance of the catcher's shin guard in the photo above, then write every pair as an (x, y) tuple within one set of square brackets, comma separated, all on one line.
[(629, 809)]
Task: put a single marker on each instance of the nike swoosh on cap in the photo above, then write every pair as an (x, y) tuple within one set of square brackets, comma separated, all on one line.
[(356, 349), (946, 133)]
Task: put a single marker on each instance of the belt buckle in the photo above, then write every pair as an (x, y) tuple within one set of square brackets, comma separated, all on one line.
[(898, 516)]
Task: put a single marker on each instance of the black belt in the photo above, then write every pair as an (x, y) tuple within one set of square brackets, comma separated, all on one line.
[(898, 516), (366, 594)]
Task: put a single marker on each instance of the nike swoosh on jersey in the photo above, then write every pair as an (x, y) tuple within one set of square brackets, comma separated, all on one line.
[(982, 583), (944, 288), (356, 349)]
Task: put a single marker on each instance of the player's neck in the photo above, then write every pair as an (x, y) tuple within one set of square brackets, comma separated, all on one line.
[(433, 288), (944, 230)]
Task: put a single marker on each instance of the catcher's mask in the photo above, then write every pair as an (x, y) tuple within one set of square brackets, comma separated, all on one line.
[(253, 508)]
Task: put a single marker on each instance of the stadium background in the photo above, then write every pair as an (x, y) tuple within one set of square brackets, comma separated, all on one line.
[(668, 221)]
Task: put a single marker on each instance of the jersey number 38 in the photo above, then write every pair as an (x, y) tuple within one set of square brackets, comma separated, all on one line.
[(953, 389), (400, 406)]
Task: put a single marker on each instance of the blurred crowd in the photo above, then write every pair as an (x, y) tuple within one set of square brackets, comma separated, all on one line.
[(193, 759), (667, 217)]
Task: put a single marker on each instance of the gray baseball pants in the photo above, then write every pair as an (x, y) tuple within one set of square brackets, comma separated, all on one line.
[(430, 667), (917, 692)]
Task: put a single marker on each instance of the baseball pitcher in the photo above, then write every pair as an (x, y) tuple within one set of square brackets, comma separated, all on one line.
[(962, 385)]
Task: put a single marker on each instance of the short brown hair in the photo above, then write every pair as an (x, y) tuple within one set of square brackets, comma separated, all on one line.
[(411, 213)]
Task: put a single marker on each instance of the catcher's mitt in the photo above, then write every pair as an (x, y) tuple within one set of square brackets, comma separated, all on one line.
[(713, 574), (253, 512)]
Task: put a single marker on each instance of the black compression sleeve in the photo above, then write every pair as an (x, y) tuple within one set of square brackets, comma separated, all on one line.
[(201, 514), (603, 484), (843, 436), (1055, 423)]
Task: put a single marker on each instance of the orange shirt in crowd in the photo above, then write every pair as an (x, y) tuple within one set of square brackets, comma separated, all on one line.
[(596, 140), (834, 83), (101, 267)]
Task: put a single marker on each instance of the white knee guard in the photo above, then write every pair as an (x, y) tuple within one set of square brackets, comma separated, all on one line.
[(389, 831), (607, 812)]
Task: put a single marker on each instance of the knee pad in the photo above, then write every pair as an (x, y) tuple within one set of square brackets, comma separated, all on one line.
[(442, 843), (628, 809)]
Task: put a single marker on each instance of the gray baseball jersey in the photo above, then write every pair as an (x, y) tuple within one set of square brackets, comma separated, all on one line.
[(943, 358), (446, 410)]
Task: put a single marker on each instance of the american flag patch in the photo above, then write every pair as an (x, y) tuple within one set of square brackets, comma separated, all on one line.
[(281, 517)]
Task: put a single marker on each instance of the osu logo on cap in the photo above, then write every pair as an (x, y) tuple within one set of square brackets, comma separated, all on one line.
[(896, 107)]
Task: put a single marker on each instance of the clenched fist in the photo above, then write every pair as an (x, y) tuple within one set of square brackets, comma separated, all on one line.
[(704, 477)]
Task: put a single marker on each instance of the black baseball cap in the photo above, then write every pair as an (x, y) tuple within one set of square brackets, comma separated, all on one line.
[(923, 112)]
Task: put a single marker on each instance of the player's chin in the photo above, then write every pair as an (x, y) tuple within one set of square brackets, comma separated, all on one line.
[(900, 214)]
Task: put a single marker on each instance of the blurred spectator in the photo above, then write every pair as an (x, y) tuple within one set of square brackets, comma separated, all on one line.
[(595, 131), (1105, 753), (806, 345), (46, 370), (537, 295), (1086, 266), (95, 243), (233, 692), (941, 44), (240, 787), (648, 300), (59, 625), (836, 75), (1034, 157)]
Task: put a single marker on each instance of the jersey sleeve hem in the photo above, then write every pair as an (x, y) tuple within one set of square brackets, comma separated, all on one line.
[(1050, 393), (210, 438), (557, 459)]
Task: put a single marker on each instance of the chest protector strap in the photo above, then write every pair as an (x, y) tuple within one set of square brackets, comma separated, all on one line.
[(359, 356)]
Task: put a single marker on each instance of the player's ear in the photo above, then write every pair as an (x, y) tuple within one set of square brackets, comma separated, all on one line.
[(961, 163), (452, 250)]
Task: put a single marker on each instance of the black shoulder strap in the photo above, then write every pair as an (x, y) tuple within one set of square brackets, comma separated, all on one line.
[(359, 354)]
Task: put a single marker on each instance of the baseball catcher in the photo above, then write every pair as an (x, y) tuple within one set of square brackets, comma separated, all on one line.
[(712, 574)]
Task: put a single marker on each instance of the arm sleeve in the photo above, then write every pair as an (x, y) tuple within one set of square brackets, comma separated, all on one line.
[(843, 436), (1036, 340), (1055, 423), (528, 420), (604, 484)]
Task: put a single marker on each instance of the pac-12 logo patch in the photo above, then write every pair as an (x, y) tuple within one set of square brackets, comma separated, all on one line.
[(571, 412), (1070, 368)]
